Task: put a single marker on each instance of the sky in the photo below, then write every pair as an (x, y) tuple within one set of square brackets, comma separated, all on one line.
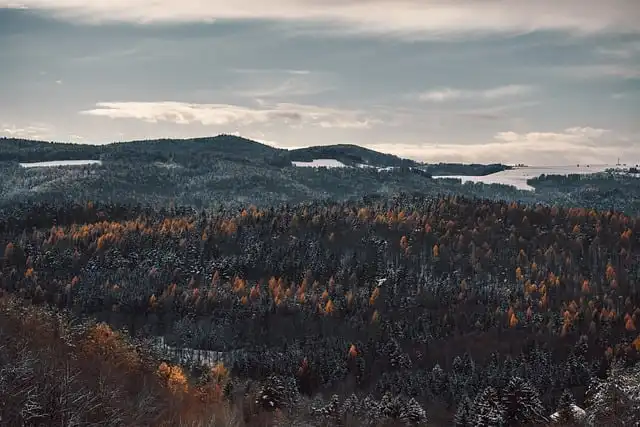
[(545, 82)]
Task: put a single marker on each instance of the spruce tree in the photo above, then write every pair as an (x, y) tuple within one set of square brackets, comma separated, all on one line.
[(565, 409), (463, 417), (522, 403), (487, 409)]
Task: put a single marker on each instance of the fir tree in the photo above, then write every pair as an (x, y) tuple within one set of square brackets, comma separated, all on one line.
[(615, 401), (351, 405), (277, 392), (565, 409), (522, 403), (412, 413), (463, 417), (328, 410), (487, 409)]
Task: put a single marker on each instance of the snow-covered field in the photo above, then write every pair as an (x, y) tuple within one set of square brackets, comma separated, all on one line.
[(333, 163), (316, 163), (518, 177), (61, 163)]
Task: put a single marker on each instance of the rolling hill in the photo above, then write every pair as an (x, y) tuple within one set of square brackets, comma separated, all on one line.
[(351, 155)]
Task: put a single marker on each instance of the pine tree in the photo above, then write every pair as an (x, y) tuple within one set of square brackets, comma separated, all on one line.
[(390, 406), (615, 401), (277, 392), (463, 417), (522, 403), (328, 410), (565, 409), (438, 380), (487, 409), (351, 405), (412, 413), (370, 408)]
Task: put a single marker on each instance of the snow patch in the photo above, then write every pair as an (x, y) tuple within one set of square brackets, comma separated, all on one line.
[(517, 177), (578, 413), (317, 163), (56, 163)]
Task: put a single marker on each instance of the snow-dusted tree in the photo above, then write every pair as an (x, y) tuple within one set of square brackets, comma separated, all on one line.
[(464, 417), (370, 409), (329, 410), (438, 380), (487, 409), (412, 413), (568, 414), (390, 406), (277, 392), (522, 403), (615, 401), (350, 406)]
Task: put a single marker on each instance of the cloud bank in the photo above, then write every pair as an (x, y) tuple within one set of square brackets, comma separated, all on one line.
[(399, 17), (566, 147), (295, 115)]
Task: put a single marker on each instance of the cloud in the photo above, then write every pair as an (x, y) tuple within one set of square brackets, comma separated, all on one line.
[(581, 135), (586, 145), (14, 6), (27, 132), (295, 115), (449, 94), (397, 17)]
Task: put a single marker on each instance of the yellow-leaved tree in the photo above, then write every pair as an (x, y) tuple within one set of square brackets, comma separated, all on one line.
[(174, 377)]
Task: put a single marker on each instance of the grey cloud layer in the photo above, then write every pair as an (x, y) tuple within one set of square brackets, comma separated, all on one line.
[(388, 16), (543, 97)]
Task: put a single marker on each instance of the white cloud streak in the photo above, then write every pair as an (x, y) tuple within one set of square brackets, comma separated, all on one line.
[(449, 94), (397, 17), (294, 115)]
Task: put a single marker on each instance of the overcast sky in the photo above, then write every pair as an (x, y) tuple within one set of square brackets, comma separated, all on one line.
[(546, 82)]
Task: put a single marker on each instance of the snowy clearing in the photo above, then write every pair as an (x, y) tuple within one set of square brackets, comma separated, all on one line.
[(56, 163), (518, 177), (316, 163)]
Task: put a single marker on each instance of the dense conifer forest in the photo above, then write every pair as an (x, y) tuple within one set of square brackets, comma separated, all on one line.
[(124, 303), (407, 309)]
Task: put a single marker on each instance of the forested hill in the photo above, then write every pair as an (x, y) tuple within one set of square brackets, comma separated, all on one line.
[(352, 155), (193, 152), (183, 151)]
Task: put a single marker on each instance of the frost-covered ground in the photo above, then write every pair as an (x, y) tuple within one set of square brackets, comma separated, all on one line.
[(518, 177), (60, 163)]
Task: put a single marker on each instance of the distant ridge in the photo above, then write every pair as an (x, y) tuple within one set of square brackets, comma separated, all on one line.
[(224, 146), (195, 151)]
